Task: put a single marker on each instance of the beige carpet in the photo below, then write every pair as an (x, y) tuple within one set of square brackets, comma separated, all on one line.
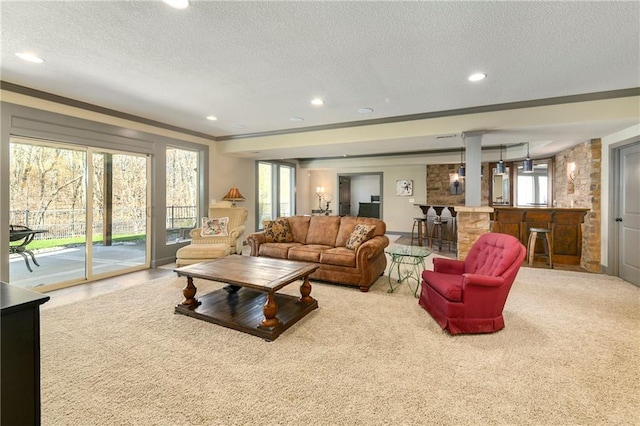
[(569, 355)]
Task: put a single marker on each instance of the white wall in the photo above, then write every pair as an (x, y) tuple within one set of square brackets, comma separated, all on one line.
[(225, 172), (397, 212), (615, 140), (362, 188)]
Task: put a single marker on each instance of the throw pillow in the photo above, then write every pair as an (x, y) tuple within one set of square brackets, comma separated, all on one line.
[(360, 234), (278, 231), (214, 227)]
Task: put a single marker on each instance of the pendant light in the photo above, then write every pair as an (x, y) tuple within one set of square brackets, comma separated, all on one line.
[(461, 170), (500, 168), (528, 163)]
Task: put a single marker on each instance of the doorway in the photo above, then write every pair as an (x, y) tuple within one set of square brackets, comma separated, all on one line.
[(627, 212), (89, 207), (360, 194)]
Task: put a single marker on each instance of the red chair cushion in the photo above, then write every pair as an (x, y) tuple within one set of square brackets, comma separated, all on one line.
[(447, 285)]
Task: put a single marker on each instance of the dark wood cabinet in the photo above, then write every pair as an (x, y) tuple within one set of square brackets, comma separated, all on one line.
[(565, 225), (20, 362), (369, 210)]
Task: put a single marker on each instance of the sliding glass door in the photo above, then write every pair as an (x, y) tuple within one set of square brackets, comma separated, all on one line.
[(119, 214), (68, 196)]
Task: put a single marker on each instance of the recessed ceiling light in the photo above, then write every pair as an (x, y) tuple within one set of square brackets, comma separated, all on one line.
[(296, 119), (317, 101), (29, 57), (177, 4), (365, 110), (212, 118), (477, 76)]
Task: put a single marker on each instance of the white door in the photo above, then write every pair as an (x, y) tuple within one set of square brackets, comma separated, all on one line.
[(628, 218)]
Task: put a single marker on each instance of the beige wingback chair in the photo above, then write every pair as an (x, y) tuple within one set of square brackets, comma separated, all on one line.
[(206, 248)]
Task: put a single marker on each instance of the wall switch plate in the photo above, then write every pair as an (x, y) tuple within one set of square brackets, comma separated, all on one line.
[(412, 200)]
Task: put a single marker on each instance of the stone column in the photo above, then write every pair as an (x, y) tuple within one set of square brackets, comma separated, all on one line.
[(472, 222)]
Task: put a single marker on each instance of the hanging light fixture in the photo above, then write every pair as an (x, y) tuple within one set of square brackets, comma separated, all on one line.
[(461, 170), (500, 168), (528, 163)]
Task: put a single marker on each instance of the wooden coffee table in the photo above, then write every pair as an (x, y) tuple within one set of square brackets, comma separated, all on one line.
[(256, 308)]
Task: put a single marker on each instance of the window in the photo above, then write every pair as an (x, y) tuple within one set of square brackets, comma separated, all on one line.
[(89, 209), (182, 193), (534, 188), (276, 191)]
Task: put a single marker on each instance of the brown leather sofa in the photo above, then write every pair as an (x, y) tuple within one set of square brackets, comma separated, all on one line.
[(323, 240)]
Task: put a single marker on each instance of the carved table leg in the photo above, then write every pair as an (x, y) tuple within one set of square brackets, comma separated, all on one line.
[(305, 291), (190, 294), (270, 310)]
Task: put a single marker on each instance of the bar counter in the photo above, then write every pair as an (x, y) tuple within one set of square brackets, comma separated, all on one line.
[(565, 225)]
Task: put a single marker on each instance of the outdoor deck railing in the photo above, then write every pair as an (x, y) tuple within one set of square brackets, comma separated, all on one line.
[(71, 223)]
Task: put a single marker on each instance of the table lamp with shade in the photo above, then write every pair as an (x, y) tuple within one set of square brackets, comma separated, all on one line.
[(233, 195)]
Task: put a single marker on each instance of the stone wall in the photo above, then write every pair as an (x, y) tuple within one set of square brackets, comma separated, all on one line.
[(439, 185), (472, 222), (582, 188)]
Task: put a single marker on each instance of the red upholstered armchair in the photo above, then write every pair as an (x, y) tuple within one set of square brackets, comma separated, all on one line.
[(468, 296)]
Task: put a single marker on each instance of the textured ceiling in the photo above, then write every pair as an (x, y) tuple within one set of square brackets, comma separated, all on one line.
[(255, 65)]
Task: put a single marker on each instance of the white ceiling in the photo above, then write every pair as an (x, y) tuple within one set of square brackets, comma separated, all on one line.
[(257, 64)]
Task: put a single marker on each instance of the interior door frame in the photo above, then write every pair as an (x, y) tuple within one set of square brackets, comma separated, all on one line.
[(381, 180), (613, 248)]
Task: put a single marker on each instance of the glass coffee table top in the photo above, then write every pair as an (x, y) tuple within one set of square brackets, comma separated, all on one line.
[(409, 263)]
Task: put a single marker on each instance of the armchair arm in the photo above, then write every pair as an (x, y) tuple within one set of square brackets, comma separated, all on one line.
[(371, 247), (481, 280), (236, 232), (233, 235), (254, 240), (448, 266)]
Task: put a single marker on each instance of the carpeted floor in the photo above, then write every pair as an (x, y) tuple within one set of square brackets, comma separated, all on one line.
[(569, 355)]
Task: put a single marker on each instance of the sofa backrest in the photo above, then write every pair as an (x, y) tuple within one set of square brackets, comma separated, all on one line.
[(299, 227), (329, 230), (348, 224), (494, 255), (323, 230)]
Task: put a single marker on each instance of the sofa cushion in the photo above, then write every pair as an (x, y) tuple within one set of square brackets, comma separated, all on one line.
[(277, 250), (214, 227), (299, 227), (307, 252), (278, 231), (360, 234), (447, 285), (340, 256), (203, 251), (323, 230)]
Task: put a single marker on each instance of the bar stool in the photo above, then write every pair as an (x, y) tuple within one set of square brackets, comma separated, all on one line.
[(454, 226), (548, 246), (438, 230), (420, 222)]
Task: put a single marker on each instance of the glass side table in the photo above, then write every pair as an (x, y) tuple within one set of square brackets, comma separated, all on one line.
[(412, 257)]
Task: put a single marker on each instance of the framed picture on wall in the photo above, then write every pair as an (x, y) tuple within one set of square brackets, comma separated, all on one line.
[(404, 187)]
